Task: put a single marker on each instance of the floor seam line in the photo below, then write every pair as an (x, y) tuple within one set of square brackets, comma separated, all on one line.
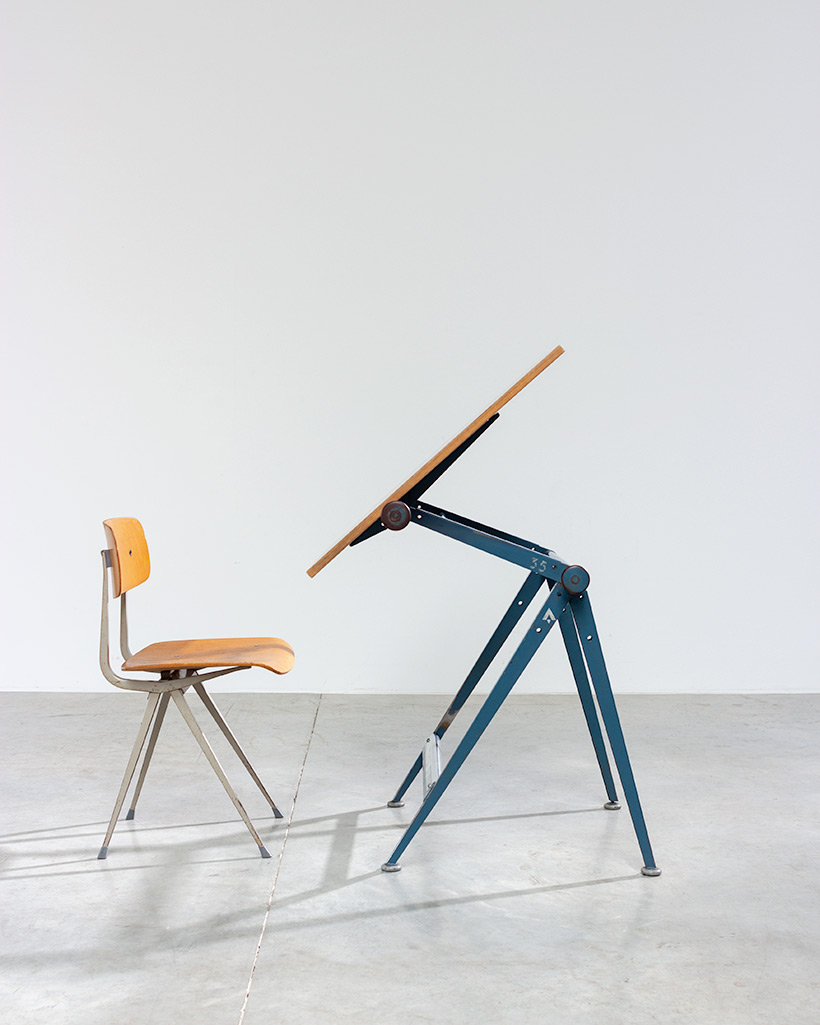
[(279, 865)]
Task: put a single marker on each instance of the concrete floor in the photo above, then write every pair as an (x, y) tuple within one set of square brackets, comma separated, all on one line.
[(521, 900)]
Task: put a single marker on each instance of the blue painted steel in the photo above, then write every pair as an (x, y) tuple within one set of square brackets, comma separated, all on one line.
[(582, 613), (546, 565), (569, 603), (549, 614), (485, 529), (511, 617), (576, 661)]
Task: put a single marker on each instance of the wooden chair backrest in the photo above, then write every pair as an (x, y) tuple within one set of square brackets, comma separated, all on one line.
[(130, 564)]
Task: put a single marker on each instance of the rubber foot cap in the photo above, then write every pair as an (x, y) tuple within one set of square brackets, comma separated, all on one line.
[(612, 805), (387, 867), (130, 815), (103, 854), (647, 871), (395, 804), (264, 851), (276, 813)]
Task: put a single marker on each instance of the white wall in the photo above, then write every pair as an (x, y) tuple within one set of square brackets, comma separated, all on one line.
[(261, 259)]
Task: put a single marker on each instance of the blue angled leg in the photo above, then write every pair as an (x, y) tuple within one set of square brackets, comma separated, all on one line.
[(576, 660), (582, 613), (511, 617), (546, 619)]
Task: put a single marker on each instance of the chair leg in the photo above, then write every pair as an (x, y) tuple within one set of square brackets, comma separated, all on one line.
[(151, 707), (152, 743), (207, 701), (207, 750)]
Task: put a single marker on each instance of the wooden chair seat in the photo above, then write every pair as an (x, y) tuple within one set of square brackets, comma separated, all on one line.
[(266, 652)]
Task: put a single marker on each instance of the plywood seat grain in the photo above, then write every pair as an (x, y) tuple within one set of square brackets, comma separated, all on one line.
[(267, 652)]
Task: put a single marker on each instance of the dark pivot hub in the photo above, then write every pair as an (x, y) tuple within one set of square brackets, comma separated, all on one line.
[(396, 515)]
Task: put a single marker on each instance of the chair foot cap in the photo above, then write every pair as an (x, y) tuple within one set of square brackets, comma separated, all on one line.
[(612, 805), (276, 813), (264, 851), (130, 815), (387, 867), (650, 870), (103, 854), (395, 804)]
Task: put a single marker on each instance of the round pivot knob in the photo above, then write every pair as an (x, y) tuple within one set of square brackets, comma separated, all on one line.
[(396, 515), (575, 579)]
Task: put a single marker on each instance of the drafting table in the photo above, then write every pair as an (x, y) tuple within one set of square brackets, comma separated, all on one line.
[(567, 604)]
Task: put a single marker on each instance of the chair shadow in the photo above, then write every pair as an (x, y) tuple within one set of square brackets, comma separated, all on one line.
[(343, 825), (243, 922)]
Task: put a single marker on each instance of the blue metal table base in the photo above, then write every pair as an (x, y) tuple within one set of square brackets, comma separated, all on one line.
[(568, 605)]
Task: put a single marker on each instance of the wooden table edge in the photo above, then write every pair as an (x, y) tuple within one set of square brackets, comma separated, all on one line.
[(491, 410)]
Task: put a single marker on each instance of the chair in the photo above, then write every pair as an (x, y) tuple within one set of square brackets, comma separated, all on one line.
[(180, 665)]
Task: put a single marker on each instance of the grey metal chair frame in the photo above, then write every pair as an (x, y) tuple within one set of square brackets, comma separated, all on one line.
[(171, 684)]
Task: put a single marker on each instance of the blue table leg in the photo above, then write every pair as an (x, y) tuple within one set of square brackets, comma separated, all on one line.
[(511, 617), (576, 661), (534, 637), (582, 613)]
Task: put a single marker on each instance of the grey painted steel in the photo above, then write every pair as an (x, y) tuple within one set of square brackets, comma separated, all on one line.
[(208, 751), (207, 701), (149, 751), (167, 683), (431, 763), (142, 733), (126, 651), (171, 683)]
